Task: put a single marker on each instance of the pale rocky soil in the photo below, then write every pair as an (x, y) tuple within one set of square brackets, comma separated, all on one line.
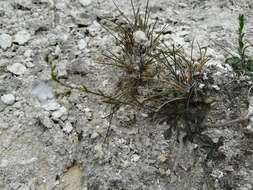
[(58, 144)]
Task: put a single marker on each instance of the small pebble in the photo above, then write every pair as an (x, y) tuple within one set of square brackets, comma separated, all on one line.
[(85, 2), (22, 37), (68, 128), (59, 113), (4, 125), (29, 64), (28, 53), (42, 91), (162, 158), (182, 5), (62, 68), (82, 44), (8, 99), (16, 68), (135, 158), (216, 87), (140, 37), (51, 106), (5, 41), (46, 122), (94, 135)]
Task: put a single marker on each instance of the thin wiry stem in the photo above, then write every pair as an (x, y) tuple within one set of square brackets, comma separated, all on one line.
[(122, 13)]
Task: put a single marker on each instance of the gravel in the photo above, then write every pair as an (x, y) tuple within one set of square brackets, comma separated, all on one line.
[(54, 138)]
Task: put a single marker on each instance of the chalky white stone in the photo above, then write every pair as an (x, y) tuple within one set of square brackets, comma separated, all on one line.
[(85, 2), (82, 44), (59, 113), (140, 37), (5, 41), (22, 37), (16, 68), (42, 91), (51, 106), (8, 99), (68, 128)]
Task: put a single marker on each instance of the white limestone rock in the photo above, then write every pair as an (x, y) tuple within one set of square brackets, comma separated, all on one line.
[(51, 106), (42, 91), (68, 128), (82, 44), (16, 68), (62, 69), (140, 37), (85, 2), (62, 111), (8, 99), (22, 37), (5, 41)]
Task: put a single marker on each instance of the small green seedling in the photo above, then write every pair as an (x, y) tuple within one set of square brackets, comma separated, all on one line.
[(241, 63)]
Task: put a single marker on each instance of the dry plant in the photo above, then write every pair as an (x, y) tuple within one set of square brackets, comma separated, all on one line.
[(137, 41), (179, 97), (152, 78), (138, 51), (181, 76)]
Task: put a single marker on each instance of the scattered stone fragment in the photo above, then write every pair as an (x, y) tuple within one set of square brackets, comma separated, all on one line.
[(51, 106), (42, 91), (4, 125), (77, 67), (29, 64), (201, 85), (182, 5), (22, 37), (145, 115), (59, 113), (5, 41), (28, 53), (4, 163), (135, 158), (94, 135), (8, 99), (216, 87), (249, 130), (82, 44), (62, 69), (57, 50), (88, 114), (99, 150), (16, 68), (68, 128), (46, 122), (140, 37), (217, 174), (162, 158), (85, 2)]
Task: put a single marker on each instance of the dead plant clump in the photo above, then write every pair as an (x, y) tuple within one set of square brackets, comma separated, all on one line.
[(165, 81), (139, 50), (154, 75)]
